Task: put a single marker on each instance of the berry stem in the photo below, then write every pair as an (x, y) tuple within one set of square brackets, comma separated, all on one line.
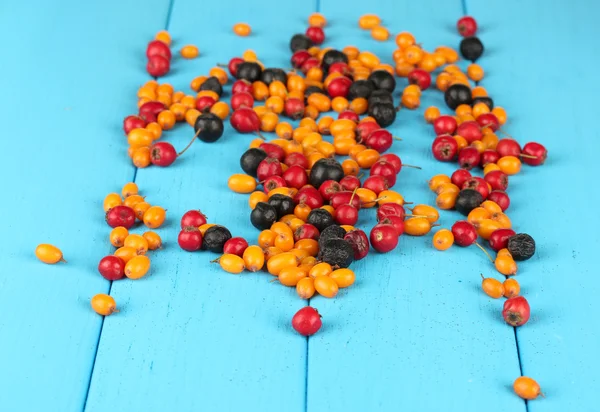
[(528, 156), (190, 143), (352, 197), (397, 138), (216, 260), (62, 260), (413, 166), (484, 251)]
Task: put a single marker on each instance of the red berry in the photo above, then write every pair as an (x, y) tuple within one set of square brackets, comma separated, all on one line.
[(359, 242), (193, 218), (309, 64), (295, 177), (390, 209), (235, 246), (386, 170), (267, 168), (133, 122), (396, 221), (273, 182), (112, 267), (158, 48), (339, 87), (149, 111), (516, 311), (120, 216), (376, 184), (295, 159), (488, 120), (328, 188), (508, 147), (233, 65), (306, 231), (464, 233), (190, 239), (307, 321), (468, 158), (299, 57), (204, 103), (346, 215), (444, 125), (499, 238), (394, 160), (489, 156), (497, 179), (479, 184), (294, 108), (471, 131), (466, 26), (350, 183), (158, 66), (499, 197), (242, 99), (534, 149), (350, 115), (245, 120), (274, 151), (444, 148), (343, 198), (162, 154), (309, 196), (316, 35), (420, 77), (241, 86), (363, 130), (340, 67), (380, 140), (460, 176), (383, 238)]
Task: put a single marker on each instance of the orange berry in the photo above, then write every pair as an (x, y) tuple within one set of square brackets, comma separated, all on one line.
[(242, 29), (189, 51)]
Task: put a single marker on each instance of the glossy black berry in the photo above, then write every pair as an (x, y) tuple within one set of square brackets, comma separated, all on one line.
[(521, 246), (284, 205), (320, 218), (467, 200), (332, 232), (263, 216), (209, 127), (251, 159), (325, 169), (300, 42), (458, 94), (383, 80), (383, 113), (250, 71), (215, 237), (337, 252), (471, 48), (332, 56), (361, 88), (272, 74), (213, 84), (485, 100), (380, 96)]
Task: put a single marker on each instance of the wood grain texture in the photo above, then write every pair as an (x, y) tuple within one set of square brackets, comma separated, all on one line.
[(550, 103), (415, 332), (65, 73), (191, 336)]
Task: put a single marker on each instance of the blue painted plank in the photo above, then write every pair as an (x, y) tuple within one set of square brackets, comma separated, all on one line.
[(552, 104), (191, 336), (415, 332), (67, 73)]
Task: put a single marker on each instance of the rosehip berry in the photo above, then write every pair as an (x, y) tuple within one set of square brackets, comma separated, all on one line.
[(339, 87), (316, 34), (121, 216), (296, 159), (384, 238), (460, 176), (233, 64), (377, 184), (420, 77), (346, 215), (158, 66), (444, 125), (508, 147), (294, 108), (193, 218), (396, 222), (385, 170), (497, 180), (267, 168), (295, 177), (363, 130), (190, 239), (162, 154), (235, 246), (500, 198), (306, 231), (350, 183), (328, 188), (245, 120), (112, 268), (380, 140), (488, 120), (468, 158), (516, 311), (394, 160), (273, 182), (133, 122), (158, 48), (307, 321), (489, 156), (390, 209), (344, 198), (471, 131), (445, 148), (536, 150), (359, 242), (464, 233), (309, 196), (499, 238), (478, 184), (466, 26), (204, 103), (241, 86), (299, 57), (273, 151), (149, 111), (242, 99)]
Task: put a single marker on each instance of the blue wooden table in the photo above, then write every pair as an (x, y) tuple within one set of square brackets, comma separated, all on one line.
[(414, 333)]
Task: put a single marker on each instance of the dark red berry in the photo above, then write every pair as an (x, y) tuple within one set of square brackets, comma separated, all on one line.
[(359, 242), (245, 120), (193, 218), (488, 120), (350, 183), (315, 34), (296, 159), (501, 198), (464, 233), (267, 168), (241, 86), (121, 216), (468, 158), (343, 198), (536, 150), (516, 311), (346, 215), (444, 125), (190, 239), (273, 182), (294, 108), (396, 221), (295, 177), (471, 131), (350, 115), (444, 148), (299, 57), (309, 64), (499, 238), (158, 48), (306, 231), (339, 87), (307, 321), (376, 184), (233, 65), (460, 176), (162, 154), (112, 267), (386, 170), (235, 246), (380, 140), (390, 209), (497, 179), (364, 129), (242, 99), (340, 67), (133, 122), (309, 196), (420, 77), (204, 103), (508, 147), (328, 188), (149, 111), (273, 151), (466, 26), (158, 66), (384, 238), (488, 157), (479, 184)]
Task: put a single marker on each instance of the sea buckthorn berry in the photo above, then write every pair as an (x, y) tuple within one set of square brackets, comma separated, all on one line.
[(137, 242), (380, 33), (117, 236), (475, 72), (437, 180), (413, 54), (126, 253), (443, 239), (326, 286), (241, 183), (189, 51), (446, 200), (305, 288), (284, 130), (343, 277), (49, 254), (426, 211), (141, 157), (153, 239), (405, 40), (368, 21), (164, 37), (492, 287), (527, 388), (266, 238), (197, 82), (290, 276), (431, 113), (254, 258), (486, 227), (510, 165), (231, 263), (417, 226), (103, 304), (242, 29), (141, 137), (350, 167), (154, 217), (166, 119), (281, 261), (112, 200), (511, 288), (500, 114), (133, 200), (137, 267), (320, 269), (491, 207)]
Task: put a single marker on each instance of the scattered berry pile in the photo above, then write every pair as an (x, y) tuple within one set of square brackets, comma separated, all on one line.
[(306, 186)]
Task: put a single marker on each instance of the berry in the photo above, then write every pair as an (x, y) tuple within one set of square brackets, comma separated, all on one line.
[(497, 180), (500, 198), (444, 148), (469, 158), (215, 237), (444, 125), (245, 120), (420, 77), (383, 113), (121, 216), (499, 238), (384, 238), (464, 233), (112, 268), (162, 154), (307, 321), (325, 169), (516, 311), (158, 48), (193, 218), (460, 176), (471, 48), (190, 239), (300, 42), (359, 242), (158, 66), (267, 168), (316, 35), (536, 150), (336, 252), (467, 200), (263, 216), (456, 95), (521, 246), (466, 26), (235, 246)]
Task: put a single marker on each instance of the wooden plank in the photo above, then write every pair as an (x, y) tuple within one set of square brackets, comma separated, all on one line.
[(190, 336), (415, 332), (551, 103), (66, 73)]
